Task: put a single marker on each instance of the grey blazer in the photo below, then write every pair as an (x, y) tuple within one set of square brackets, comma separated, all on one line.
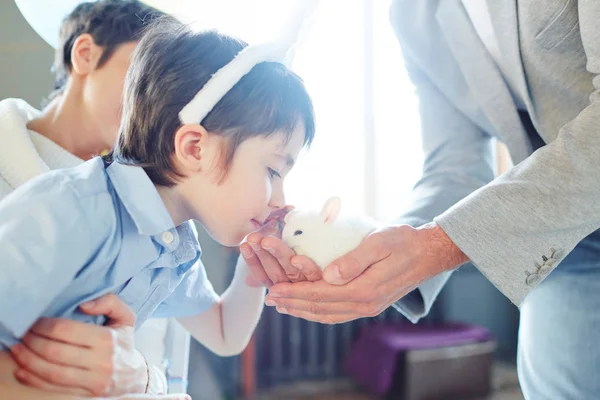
[(518, 227)]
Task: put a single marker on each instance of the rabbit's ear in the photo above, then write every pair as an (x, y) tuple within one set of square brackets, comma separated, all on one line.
[(287, 216), (331, 210)]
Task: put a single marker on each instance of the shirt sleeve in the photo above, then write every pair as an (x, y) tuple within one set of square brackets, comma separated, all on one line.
[(458, 159), (521, 226), (194, 295), (45, 239)]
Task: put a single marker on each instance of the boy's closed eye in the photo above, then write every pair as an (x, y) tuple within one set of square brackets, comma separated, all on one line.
[(286, 161), (273, 173)]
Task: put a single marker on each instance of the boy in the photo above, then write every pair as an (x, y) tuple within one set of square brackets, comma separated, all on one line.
[(122, 224)]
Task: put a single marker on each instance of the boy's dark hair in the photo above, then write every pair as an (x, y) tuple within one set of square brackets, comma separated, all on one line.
[(110, 22), (169, 66)]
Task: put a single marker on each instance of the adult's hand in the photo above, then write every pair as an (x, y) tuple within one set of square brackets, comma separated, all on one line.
[(270, 260), (70, 357), (386, 266)]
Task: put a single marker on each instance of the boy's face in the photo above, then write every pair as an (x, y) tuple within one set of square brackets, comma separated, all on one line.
[(102, 92), (251, 190)]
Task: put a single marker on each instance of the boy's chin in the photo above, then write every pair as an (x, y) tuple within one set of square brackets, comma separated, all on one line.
[(233, 243), (228, 240)]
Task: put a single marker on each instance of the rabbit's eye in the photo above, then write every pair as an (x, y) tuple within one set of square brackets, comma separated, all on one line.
[(298, 232)]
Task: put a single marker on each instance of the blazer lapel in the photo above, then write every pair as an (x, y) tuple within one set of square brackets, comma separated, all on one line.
[(483, 77)]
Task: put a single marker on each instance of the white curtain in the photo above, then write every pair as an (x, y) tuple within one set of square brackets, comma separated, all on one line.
[(367, 147)]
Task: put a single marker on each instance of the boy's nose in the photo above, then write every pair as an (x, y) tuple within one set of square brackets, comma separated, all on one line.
[(277, 198)]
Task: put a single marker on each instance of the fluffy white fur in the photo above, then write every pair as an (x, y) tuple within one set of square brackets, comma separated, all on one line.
[(325, 236)]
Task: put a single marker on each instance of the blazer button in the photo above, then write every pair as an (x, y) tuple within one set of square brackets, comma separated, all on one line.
[(544, 270), (532, 279), (556, 254)]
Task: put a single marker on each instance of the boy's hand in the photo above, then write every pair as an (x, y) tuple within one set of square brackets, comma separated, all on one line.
[(64, 356)]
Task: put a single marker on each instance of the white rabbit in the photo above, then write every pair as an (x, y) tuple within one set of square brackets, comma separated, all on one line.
[(323, 237)]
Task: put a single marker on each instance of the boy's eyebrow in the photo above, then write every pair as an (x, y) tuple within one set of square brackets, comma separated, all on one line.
[(289, 160)]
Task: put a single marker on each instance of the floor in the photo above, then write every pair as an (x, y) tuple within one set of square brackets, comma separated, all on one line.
[(504, 383)]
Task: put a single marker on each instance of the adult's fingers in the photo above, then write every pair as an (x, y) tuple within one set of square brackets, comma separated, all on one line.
[(59, 353), (30, 379), (118, 313), (349, 266), (283, 254), (270, 264), (307, 267), (257, 276)]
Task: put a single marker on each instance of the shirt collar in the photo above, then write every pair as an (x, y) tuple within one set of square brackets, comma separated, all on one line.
[(142, 201), (147, 210)]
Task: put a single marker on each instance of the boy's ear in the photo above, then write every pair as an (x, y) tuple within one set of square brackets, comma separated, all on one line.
[(191, 147), (85, 54)]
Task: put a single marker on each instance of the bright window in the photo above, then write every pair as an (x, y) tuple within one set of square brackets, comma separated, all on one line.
[(367, 146)]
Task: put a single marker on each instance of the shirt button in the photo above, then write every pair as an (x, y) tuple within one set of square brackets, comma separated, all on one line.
[(167, 237)]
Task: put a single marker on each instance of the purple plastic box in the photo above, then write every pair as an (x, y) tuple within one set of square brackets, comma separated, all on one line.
[(423, 362)]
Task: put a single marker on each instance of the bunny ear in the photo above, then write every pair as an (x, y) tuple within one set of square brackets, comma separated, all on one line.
[(287, 216), (281, 50), (301, 22), (331, 209)]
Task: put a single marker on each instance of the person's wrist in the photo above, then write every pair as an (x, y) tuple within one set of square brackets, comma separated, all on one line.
[(157, 381), (147, 375), (438, 250), (140, 381)]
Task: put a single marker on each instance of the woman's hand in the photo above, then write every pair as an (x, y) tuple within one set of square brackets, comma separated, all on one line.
[(64, 356)]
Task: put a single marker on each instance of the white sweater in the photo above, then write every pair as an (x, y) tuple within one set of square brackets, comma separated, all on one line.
[(25, 154)]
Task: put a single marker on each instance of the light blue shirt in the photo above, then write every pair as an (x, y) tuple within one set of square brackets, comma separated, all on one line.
[(72, 235)]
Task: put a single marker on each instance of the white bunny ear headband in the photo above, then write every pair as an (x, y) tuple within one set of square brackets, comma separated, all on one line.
[(281, 50)]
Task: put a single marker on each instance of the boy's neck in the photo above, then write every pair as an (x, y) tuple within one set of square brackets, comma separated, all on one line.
[(174, 203), (67, 123)]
